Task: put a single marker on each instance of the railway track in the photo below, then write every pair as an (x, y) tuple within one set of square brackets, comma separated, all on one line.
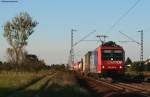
[(133, 88), (107, 89)]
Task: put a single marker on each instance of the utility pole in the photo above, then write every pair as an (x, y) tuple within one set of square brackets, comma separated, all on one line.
[(71, 56), (72, 47), (141, 54), (141, 45)]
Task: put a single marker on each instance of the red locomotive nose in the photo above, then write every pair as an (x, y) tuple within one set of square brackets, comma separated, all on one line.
[(109, 64), (113, 62)]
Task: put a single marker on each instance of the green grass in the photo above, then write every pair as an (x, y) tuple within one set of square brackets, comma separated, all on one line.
[(58, 83), (33, 89), (10, 81)]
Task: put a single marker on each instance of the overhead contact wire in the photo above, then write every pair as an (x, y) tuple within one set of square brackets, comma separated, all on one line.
[(124, 15)]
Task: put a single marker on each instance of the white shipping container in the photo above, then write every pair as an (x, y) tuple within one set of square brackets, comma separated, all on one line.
[(93, 62)]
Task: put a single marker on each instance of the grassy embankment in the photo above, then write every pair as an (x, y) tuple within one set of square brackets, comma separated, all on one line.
[(12, 81)]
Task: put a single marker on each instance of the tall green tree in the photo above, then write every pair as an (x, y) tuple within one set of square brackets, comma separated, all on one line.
[(17, 32)]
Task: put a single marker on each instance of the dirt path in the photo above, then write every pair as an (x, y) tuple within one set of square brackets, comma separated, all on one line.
[(64, 84)]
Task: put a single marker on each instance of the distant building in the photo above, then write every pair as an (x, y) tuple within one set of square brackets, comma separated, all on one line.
[(129, 65), (147, 61)]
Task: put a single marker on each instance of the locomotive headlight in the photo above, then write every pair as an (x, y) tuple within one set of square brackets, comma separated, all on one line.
[(120, 67), (103, 66)]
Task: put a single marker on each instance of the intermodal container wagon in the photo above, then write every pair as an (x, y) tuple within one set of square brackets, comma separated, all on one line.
[(93, 62), (87, 62)]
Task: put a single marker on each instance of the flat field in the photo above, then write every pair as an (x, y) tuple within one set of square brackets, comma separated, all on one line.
[(55, 83), (11, 81)]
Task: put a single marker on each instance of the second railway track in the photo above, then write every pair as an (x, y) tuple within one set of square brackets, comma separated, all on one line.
[(109, 89)]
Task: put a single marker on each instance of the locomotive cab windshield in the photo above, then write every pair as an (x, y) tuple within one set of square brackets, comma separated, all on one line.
[(112, 55)]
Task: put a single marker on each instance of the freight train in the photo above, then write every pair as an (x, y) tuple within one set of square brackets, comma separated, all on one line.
[(105, 60)]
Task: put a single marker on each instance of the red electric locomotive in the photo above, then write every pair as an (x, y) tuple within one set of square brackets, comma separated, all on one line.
[(111, 59), (107, 59)]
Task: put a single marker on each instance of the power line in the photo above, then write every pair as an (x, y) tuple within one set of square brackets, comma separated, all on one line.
[(124, 15), (125, 41), (9, 1), (83, 38), (141, 44), (129, 37), (100, 38)]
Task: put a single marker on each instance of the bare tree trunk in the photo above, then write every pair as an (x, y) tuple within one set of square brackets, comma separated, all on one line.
[(17, 58)]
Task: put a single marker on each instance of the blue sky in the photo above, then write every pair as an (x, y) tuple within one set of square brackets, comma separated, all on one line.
[(51, 39)]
